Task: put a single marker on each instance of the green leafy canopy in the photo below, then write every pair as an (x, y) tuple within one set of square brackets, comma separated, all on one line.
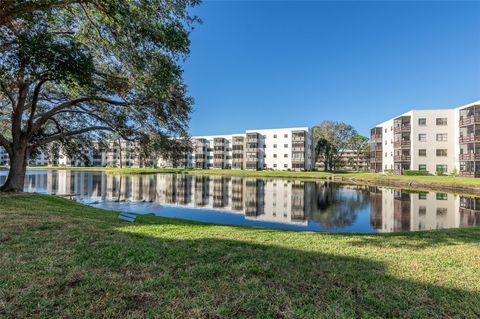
[(70, 68)]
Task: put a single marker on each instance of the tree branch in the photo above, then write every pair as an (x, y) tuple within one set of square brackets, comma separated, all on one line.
[(33, 107), (58, 136), (7, 93), (43, 118)]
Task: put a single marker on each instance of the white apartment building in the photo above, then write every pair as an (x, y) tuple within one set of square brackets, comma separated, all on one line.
[(441, 140), (268, 149), (273, 149)]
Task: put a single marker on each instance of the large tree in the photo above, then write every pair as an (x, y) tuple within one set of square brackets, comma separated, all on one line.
[(359, 144), (338, 134), (325, 152), (81, 67)]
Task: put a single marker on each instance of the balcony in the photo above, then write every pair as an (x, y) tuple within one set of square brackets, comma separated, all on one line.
[(376, 159), (298, 138), (402, 158), (470, 157), (377, 148), (469, 174), (469, 120), (402, 128), (469, 138), (252, 138), (402, 144), (376, 137), (298, 160)]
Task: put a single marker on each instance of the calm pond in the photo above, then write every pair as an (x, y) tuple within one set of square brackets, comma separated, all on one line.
[(258, 202)]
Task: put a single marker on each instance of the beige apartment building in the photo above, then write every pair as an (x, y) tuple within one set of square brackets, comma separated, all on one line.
[(441, 140), (348, 161)]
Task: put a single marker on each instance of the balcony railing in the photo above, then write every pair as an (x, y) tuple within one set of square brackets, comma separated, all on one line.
[(376, 148), (402, 158), (298, 160), (298, 138), (402, 128), (402, 144), (376, 159), (470, 157), (469, 138), (376, 137), (469, 120), (469, 174)]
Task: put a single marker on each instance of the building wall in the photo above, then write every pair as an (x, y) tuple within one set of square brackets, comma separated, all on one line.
[(431, 145), (423, 123)]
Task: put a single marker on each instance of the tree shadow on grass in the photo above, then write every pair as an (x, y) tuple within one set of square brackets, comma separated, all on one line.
[(117, 272)]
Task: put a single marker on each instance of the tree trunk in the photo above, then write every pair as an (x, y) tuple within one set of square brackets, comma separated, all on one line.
[(18, 168)]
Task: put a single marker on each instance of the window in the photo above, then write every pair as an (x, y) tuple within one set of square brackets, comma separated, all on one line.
[(441, 152), (274, 155), (422, 122), (286, 135), (442, 121), (422, 210), (422, 196), (422, 167), (285, 155), (285, 165), (442, 137), (422, 137), (285, 145), (274, 165), (442, 196), (385, 142), (386, 154), (385, 130), (274, 145), (442, 211), (442, 168), (274, 135), (422, 153)]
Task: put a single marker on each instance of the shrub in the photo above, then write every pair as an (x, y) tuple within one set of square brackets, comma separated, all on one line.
[(415, 173), (454, 172), (440, 173)]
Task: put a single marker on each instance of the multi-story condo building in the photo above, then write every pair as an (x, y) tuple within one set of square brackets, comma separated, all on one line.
[(441, 140), (273, 149)]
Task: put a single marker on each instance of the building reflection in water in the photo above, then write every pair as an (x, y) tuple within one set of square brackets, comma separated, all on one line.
[(329, 204)]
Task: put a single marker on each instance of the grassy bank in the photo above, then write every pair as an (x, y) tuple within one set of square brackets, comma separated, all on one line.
[(62, 259)]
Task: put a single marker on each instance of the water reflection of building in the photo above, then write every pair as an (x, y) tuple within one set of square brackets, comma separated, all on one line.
[(329, 204), (376, 207), (469, 211), (411, 211)]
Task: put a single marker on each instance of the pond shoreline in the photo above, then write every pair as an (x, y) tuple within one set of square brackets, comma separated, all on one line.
[(457, 185)]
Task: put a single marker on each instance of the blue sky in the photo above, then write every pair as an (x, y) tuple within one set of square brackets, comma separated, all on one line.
[(284, 64)]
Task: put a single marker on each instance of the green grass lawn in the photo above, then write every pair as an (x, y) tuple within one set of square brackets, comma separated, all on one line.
[(372, 177), (62, 259)]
